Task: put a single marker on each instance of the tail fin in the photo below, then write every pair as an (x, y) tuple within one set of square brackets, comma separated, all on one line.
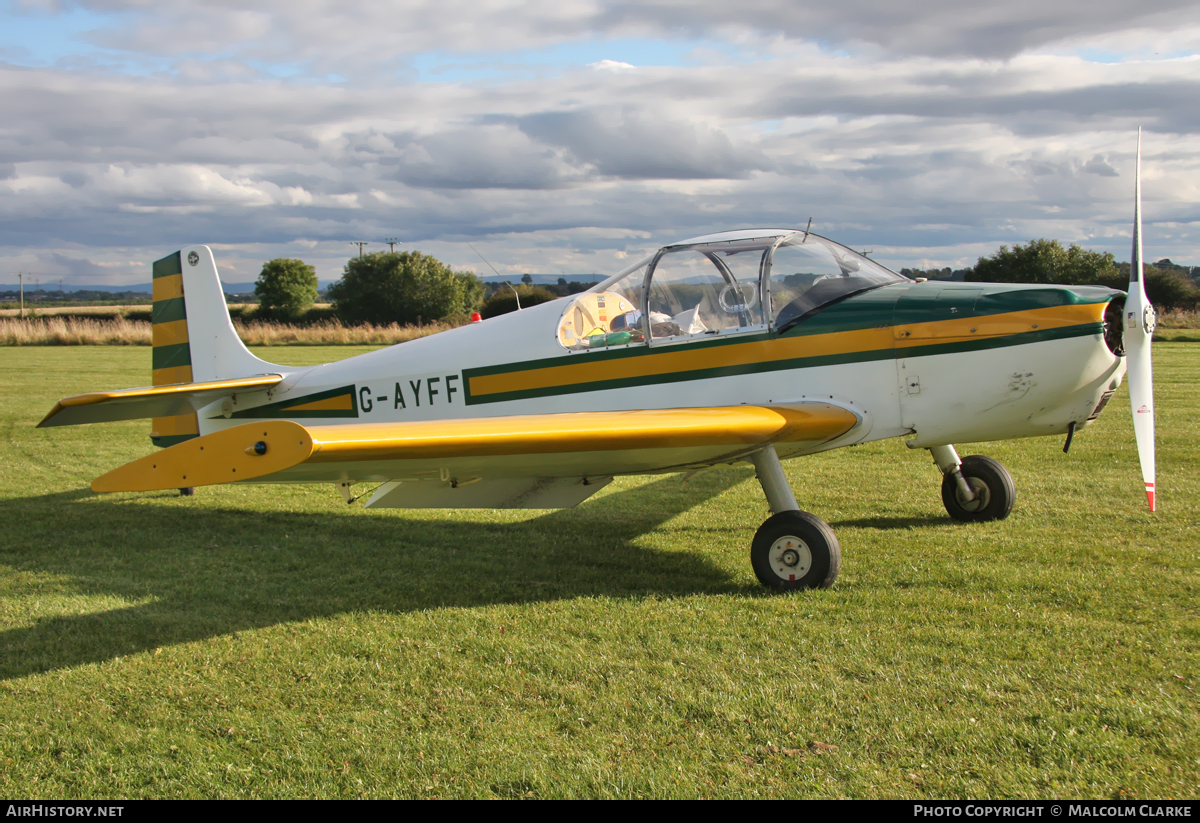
[(194, 340)]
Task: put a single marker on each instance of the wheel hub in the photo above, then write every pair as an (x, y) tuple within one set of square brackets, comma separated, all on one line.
[(983, 495), (790, 558)]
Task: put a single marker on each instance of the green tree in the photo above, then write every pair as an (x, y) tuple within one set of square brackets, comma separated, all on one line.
[(504, 301), (402, 287), (1045, 261), (286, 288), (527, 279), (1167, 288), (473, 290)]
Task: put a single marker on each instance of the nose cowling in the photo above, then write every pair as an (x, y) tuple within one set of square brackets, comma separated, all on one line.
[(993, 361)]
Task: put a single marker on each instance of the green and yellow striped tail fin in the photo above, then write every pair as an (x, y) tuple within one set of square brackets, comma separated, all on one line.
[(172, 351)]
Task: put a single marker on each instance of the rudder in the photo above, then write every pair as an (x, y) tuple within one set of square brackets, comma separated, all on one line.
[(193, 336), (172, 356)]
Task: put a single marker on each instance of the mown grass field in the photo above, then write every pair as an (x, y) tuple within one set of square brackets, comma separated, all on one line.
[(274, 642)]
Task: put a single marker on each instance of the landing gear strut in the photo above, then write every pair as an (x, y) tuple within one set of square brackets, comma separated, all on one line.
[(975, 488), (792, 549)]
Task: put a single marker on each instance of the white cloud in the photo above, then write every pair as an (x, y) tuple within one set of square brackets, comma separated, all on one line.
[(336, 35), (880, 132), (611, 65)]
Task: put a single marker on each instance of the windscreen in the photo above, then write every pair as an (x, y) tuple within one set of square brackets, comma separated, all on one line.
[(728, 285), (810, 272)]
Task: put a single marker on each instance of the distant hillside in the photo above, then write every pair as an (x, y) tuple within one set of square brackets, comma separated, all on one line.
[(544, 279), (39, 292)]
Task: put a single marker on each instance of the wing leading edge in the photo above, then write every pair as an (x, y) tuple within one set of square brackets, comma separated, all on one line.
[(466, 451)]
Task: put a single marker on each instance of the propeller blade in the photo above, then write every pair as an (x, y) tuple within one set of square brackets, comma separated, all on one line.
[(1140, 320)]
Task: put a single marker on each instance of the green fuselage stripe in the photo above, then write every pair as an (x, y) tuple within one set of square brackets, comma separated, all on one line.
[(891, 352), (286, 408)]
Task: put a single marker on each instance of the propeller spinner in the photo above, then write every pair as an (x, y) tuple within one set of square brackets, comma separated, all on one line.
[(1139, 328)]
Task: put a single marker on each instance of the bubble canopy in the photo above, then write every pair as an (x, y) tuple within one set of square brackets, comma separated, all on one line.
[(735, 282)]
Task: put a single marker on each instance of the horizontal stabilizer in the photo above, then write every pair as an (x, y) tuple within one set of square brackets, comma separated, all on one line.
[(150, 401)]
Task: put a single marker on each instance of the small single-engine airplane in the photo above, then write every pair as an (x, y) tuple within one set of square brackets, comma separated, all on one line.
[(744, 346)]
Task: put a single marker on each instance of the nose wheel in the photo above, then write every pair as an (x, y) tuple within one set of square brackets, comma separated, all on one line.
[(992, 491), (795, 550)]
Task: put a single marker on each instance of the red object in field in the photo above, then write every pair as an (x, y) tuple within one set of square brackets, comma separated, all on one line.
[(476, 317)]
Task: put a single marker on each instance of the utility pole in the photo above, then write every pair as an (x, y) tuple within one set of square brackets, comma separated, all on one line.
[(391, 241), (21, 278), (360, 244)]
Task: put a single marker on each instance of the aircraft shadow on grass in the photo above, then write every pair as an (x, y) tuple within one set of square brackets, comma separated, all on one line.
[(886, 523), (215, 572)]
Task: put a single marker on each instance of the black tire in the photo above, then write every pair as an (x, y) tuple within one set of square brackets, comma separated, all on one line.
[(187, 491), (992, 484), (795, 550)]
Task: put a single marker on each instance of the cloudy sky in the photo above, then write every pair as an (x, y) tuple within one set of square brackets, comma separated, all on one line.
[(575, 135)]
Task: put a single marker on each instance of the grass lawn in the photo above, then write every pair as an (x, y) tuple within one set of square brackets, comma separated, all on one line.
[(265, 641)]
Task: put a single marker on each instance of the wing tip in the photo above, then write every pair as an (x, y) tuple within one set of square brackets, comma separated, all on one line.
[(45, 423)]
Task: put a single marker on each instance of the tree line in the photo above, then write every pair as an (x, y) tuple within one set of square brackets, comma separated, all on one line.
[(411, 288), (407, 288), (1168, 285)]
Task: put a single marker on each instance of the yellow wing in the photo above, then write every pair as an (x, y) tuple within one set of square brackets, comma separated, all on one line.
[(500, 454)]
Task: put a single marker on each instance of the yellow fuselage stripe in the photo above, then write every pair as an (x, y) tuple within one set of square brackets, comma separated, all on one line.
[(342, 402), (937, 332), (670, 360)]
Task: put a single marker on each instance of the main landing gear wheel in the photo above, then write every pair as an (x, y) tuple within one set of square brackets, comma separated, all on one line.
[(795, 550), (994, 490)]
